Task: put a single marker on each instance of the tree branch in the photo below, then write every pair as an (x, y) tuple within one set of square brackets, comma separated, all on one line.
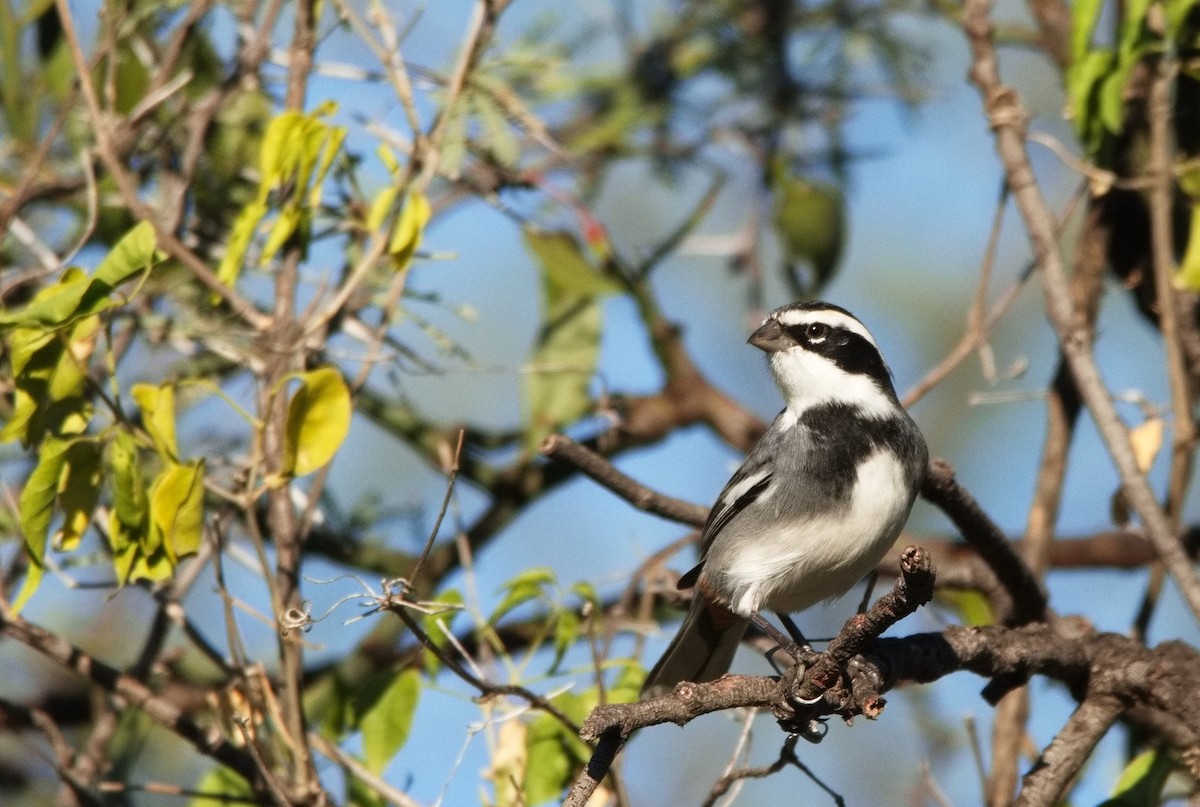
[(1004, 111)]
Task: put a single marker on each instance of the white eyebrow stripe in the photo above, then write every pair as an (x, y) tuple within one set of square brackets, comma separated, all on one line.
[(835, 319)]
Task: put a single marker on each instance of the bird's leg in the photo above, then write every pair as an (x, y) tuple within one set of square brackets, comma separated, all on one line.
[(797, 650), (872, 579), (794, 631)]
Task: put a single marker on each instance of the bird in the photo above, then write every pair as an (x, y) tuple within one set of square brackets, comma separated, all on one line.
[(818, 501)]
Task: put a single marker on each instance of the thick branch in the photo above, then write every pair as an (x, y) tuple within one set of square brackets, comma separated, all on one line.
[(1028, 597), (1047, 782)]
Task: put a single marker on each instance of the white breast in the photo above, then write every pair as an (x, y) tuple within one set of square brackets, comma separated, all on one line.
[(817, 559)]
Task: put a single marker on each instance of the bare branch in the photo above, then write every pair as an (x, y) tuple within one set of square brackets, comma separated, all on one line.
[(1008, 118)]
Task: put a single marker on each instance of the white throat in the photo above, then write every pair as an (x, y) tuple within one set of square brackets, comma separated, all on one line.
[(807, 380)]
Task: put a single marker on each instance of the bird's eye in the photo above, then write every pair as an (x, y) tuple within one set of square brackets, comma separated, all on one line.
[(817, 330)]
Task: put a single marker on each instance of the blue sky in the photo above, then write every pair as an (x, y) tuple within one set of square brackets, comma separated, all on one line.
[(920, 212)]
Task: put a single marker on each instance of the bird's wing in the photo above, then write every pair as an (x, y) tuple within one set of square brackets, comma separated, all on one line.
[(742, 490)]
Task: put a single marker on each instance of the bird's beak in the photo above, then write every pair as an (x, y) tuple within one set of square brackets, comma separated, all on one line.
[(770, 338)]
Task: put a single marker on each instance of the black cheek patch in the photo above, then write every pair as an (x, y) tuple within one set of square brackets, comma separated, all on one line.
[(856, 355), (846, 349)]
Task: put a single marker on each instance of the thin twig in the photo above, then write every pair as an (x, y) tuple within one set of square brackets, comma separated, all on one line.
[(561, 447)]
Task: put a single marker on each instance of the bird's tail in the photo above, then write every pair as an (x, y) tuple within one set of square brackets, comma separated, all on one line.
[(701, 651)]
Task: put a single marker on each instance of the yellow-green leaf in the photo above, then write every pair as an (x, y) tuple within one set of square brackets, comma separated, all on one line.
[(1188, 276), (69, 374), (561, 367), (78, 493), (280, 131), (973, 607), (554, 752), (318, 420), (406, 238), (240, 236), (52, 305), (387, 708), (221, 787), (132, 254), (129, 490), (1084, 15), (24, 409), (565, 268), (177, 509), (36, 508), (1141, 783), (810, 221), (289, 220), (124, 545), (335, 136), (24, 344), (158, 417), (381, 205), (529, 585)]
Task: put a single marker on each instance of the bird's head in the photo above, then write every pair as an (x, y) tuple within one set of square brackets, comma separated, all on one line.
[(820, 353)]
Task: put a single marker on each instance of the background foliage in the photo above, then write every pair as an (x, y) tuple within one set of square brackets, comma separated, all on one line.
[(293, 293)]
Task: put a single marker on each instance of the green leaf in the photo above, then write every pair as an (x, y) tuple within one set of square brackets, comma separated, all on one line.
[(568, 345), (327, 707), (132, 254), (24, 344), (566, 631), (36, 508), (1084, 15), (158, 417), (1110, 97), (628, 686), (35, 354), (554, 753), (1133, 32), (810, 221), (586, 592), (1177, 13), (1083, 80), (361, 794), (220, 781), (77, 295), (387, 710), (1141, 783), (177, 509), (497, 133), (530, 584), (565, 269), (39, 494), (79, 491), (318, 420)]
